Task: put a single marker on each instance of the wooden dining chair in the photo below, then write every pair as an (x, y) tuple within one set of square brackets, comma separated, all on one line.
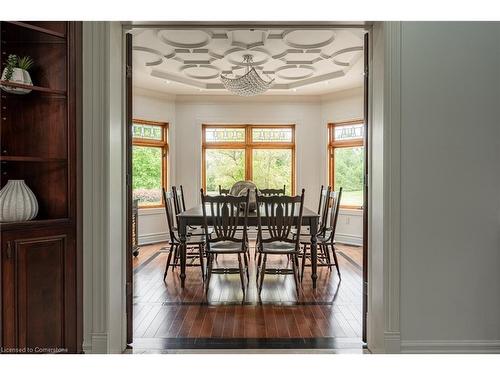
[(223, 191), (324, 193), (180, 206), (276, 217), (325, 237), (228, 215), (271, 192), (194, 245)]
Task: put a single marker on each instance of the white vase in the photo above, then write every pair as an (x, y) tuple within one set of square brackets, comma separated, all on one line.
[(17, 202), (18, 76)]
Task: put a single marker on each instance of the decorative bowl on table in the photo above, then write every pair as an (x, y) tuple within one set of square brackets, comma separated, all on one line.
[(240, 188)]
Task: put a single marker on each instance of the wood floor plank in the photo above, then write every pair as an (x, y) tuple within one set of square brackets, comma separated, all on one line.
[(165, 310)]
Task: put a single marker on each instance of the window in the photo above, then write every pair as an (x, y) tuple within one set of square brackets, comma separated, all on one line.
[(149, 162), (264, 154), (346, 161)]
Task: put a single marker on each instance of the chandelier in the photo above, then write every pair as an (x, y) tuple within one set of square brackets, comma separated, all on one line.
[(249, 84)]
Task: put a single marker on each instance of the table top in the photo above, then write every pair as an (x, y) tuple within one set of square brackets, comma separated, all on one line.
[(197, 212)]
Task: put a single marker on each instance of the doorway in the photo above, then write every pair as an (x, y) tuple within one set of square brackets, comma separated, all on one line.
[(190, 320)]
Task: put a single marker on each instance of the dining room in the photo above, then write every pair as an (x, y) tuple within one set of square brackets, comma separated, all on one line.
[(248, 163)]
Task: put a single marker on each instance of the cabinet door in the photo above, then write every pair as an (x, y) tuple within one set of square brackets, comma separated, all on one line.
[(39, 293)]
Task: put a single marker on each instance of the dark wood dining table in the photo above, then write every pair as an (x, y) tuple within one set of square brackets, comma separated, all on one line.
[(194, 217)]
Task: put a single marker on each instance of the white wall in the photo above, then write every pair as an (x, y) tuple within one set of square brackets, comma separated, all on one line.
[(186, 114), (155, 106), (450, 178)]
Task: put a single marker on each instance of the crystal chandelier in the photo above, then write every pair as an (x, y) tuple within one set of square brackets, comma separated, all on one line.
[(249, 84)]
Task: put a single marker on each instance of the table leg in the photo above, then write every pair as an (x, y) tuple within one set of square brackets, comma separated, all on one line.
[(314, 252), (182, 247)]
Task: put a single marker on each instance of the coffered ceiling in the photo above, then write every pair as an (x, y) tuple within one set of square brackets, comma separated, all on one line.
[(301, 61)]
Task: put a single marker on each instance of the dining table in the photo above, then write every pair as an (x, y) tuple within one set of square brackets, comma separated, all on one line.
[(194, 217)]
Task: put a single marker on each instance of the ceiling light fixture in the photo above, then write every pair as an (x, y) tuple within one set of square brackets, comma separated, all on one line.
[(249, 84)]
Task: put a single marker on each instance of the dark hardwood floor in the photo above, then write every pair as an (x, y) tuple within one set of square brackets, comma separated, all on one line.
[(164, 311)]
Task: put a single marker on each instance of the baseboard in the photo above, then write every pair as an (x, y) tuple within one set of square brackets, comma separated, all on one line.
[(392, 342), (450, 346), (98, 344), (150, 238), (349, 239)]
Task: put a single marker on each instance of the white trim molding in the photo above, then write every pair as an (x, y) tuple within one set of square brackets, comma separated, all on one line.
[(392, 185), (103, 189), (448, 346)]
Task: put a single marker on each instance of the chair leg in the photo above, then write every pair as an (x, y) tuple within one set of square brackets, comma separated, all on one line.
[(295, 273), (259, 262), (246, 266), (210, 259), (304, 256), (262, 272), (176, 256), (168, 261), (336, 261), (202, 266), (242, 275), (327, 254)]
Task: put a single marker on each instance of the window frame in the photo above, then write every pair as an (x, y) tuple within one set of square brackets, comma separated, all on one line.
[(163, 145), (248, 145), (334, 144)]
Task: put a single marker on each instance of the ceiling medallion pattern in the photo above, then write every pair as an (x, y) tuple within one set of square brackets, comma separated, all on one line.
[(207, 58)]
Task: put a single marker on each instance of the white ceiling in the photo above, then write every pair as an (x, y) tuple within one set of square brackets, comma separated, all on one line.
[(301, 61)]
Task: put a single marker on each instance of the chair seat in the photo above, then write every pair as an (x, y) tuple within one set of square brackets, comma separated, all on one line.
[(278, 247), (226, 247), (321, 239)]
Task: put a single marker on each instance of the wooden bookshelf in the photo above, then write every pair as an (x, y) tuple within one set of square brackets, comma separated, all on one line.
[(40, 134)]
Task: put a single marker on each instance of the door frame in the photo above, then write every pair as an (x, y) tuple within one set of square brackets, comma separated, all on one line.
[(384, 231)]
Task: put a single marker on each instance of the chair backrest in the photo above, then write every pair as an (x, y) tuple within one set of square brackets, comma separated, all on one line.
[(168, 199), (277, 215), (272, 192), (227, 215), (179, 203), (334, 214), (323, 205), (223, 191)]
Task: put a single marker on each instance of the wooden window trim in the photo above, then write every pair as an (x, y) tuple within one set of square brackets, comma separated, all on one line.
[(333, 144), (163, 144), (248, 145)]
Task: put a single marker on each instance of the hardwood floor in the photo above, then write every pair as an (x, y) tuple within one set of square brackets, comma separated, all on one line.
[(164, 312)]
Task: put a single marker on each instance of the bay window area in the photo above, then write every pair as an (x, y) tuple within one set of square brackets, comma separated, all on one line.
[(149, 162), (264, 154), (346, 161)]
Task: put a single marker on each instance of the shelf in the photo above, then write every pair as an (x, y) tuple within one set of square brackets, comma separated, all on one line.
[(31, 159), (37, 223), (37, 28), (33, 88)]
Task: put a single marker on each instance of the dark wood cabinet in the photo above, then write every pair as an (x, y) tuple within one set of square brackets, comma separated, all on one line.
[(38, 294), (40, 138)]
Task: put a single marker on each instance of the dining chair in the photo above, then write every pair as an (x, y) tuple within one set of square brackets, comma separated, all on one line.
[(324, 193), (325, 237), (228, 216), (197, 244), (276, 217), (271, 192), (180, 206), (223, 191)]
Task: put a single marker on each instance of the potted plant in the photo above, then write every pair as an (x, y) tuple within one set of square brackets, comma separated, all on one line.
[(16, 71)]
